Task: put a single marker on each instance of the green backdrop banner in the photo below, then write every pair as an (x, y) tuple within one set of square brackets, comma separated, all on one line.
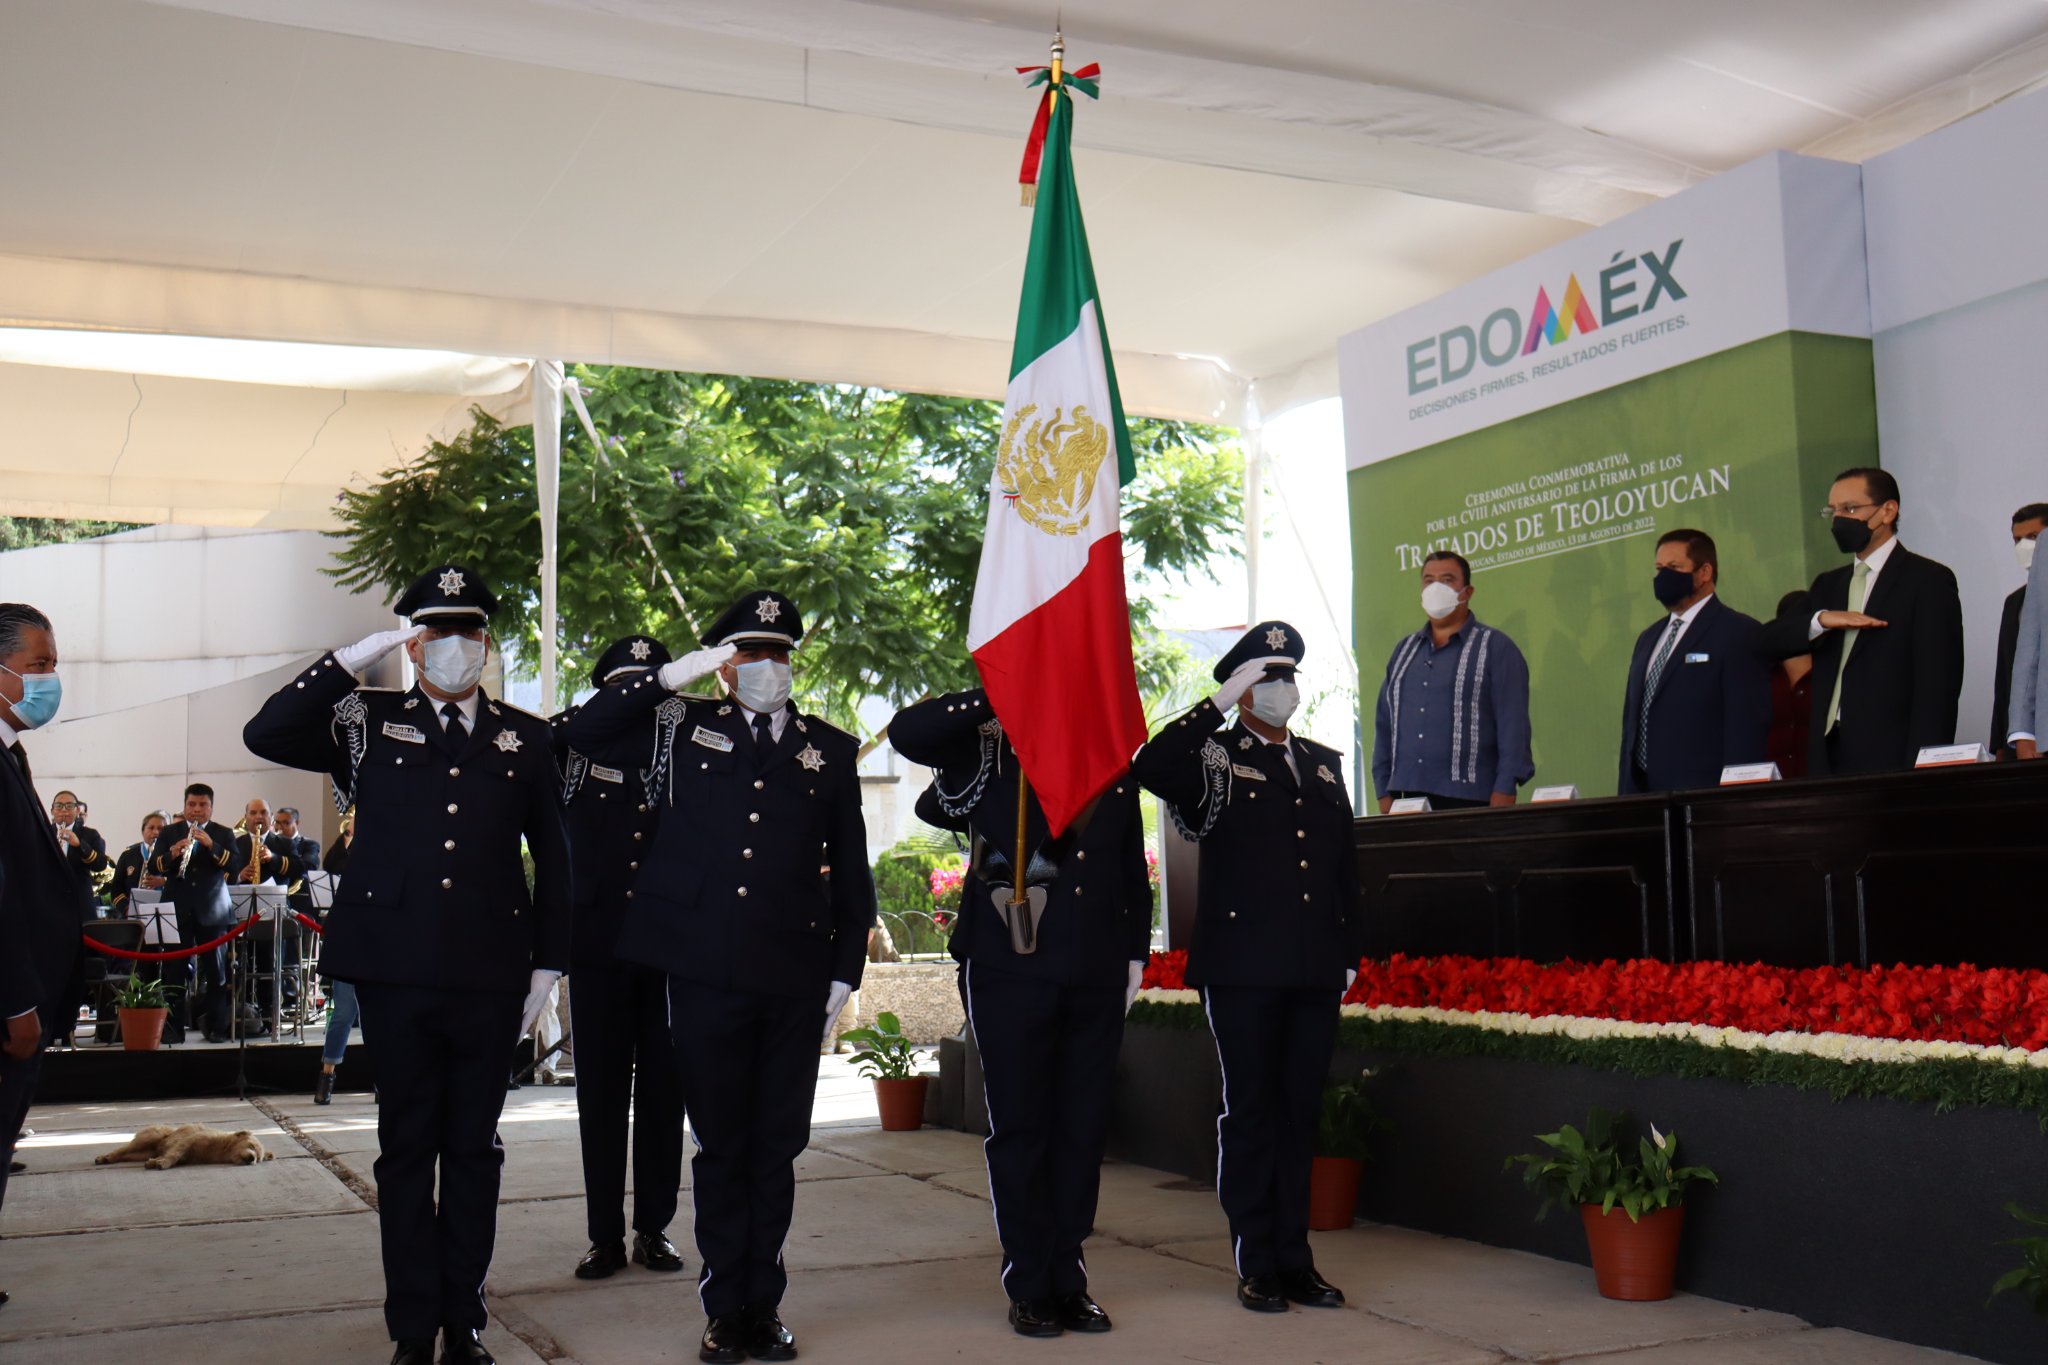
[(1559, 512)]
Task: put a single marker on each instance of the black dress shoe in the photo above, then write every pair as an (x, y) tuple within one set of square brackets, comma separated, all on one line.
[(768, 1339), (656, 1252), (3, 1298), (416, 1351), (461, 1346), (1307, 1287), (323, 1089), (1035, 1318), (212, 1037), (16, 1167), (1262, 1293), (602, 1261), (725, 1340), (1079, 1313)]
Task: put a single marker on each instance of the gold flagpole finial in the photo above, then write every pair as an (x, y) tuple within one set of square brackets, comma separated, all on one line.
[(1059, 58)]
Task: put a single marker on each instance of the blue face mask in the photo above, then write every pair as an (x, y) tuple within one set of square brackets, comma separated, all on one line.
[(41, 695)]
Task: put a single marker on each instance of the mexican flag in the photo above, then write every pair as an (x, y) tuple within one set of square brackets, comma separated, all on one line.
[(1051, 628)]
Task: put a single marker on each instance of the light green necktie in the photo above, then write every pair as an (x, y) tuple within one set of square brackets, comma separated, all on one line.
[(1859, 585)]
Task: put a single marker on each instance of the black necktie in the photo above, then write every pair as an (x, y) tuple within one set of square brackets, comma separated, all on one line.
[(764, 734), (457, 731), (21, 760)]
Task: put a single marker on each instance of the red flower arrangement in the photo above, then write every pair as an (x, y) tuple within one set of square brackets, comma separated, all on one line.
[(1989, 1006)]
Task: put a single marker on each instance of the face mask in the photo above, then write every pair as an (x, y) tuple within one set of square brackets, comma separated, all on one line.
[(1672, 586), (762, 685), (41, 695), (1273, 702), (453, 663), (1439, 600), (2023, 551), (1852, 535)]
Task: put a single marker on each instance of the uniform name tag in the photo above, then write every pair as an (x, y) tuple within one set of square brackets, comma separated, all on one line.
[(606, 774), (1253, 773), (711, 739), (1697, 658), (410, 734)]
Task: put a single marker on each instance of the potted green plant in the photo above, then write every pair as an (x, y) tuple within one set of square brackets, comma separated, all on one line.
[(142, 1009), (2030, 1277), (887, 1058), (1344, 1132), (1633, 1211)]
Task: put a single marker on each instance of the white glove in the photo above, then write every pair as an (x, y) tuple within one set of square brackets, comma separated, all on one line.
[(1237, 684), (835, 1001), (694, 665), (538, 989), (368, 650), (1131, 987)]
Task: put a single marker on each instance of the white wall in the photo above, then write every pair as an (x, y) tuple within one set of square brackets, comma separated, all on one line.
[(1959, 306)]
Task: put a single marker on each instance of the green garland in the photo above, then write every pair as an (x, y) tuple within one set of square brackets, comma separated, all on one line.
[(1946, 1084)]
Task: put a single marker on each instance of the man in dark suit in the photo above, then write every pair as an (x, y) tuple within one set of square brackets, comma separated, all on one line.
[(1886, 640), (267, 857), (1279, 929), (40, 901), (131, 869), (196, 857), (1698, 696), (1047, 1005), (304, 853), (756, 899), (85, 848), (451, 956), (625, 1065), (2027, 525)]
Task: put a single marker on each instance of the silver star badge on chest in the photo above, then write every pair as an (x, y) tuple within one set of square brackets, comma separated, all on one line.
[(768, 609), (1245, 743), (1276, 638), (452, 580), (1323, 771), (811, 759), (641, 649), (411, 702), (507, 742), (725, 710)]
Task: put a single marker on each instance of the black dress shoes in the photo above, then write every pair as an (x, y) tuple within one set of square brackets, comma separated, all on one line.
[(1079, 1313), (725, 1340), (460, 1346), (416, 1351), (1309, 1288), (656, 1252), (768, 1339), (1035, 1318), (1262, 1293), (602, 1261), (323, 1089)]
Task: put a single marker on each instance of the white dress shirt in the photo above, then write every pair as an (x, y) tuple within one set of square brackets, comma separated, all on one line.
[(1684, 619), (468, 706), (1814, 629), (777, 722)]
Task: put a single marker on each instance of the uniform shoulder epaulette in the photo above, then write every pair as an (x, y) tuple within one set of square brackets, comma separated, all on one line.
[(496, 703), (1319, 750), (698, 696), (374, 690), (829, 728)]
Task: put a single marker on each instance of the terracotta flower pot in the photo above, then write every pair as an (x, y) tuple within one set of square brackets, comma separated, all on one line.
[(142, 1030), (901, 1103), (1333, 1192), (1633, 1260)]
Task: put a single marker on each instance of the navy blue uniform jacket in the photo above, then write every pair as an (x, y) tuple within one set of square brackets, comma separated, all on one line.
[(611, 823), (757, 877), (1278, 891), (1098, 915), (434, 893), (1713, 702)]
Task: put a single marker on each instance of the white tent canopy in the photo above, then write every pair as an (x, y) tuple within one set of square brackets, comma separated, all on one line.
[(825, 188)]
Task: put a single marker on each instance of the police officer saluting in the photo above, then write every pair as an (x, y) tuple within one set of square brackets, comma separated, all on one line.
[(433, 925), (1278, 934), (755, 898), (619, 1010), (1047, 986)]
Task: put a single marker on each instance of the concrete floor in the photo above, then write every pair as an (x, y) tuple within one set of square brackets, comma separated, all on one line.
[(893, 1257)]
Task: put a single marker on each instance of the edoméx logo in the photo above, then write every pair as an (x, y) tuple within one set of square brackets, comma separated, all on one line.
[(1451, 355)]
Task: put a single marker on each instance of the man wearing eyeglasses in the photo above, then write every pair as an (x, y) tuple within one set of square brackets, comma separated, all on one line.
[(84, 847), (1887, 640)]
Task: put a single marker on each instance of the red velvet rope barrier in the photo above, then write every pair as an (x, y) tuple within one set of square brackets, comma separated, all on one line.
[(315, 925), (111, 951)]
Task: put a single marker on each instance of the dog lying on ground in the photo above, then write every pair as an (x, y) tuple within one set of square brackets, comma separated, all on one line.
[(161, 1146)]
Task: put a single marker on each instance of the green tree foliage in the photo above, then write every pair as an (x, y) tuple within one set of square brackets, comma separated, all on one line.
[(865, 506), (27, 533)]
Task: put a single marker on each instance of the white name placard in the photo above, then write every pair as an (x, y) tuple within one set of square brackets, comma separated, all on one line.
[(1568, 792), (1738, 774), (1948, 755), (1409, 805)]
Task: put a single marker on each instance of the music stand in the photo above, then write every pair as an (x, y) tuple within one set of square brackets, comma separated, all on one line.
[(159, 930), (266, 901)]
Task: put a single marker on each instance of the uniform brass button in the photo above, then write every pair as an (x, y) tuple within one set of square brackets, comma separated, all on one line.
[(400, 762), (753, 817), (814, 924), (632, 867), (1304, 864), (704, 765), (1301, 834), (1297, 802), (643, 808), (1081, 854), (455, 772), (301, 686), (1304, 895), (758, 784), (450, 845), (1233, 914), (629, 895), (447, 883), (1119, 791), (1077, 890), (746, 853), (510, 773), (638, 833), (743, 891)]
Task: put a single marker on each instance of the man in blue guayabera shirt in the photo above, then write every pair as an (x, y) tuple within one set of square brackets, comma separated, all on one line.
[(1452, 722)]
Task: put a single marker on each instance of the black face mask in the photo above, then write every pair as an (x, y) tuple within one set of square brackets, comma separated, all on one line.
[(1852, 535), (1672, 586)]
